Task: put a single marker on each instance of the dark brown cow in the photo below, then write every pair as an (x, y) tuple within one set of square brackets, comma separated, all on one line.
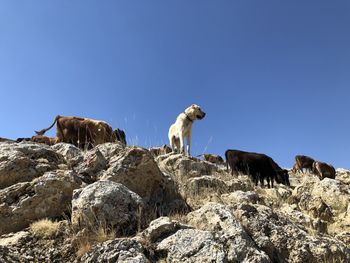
[(81, 132), (302, 162), (258, 166), (213, 158), (323, 170)]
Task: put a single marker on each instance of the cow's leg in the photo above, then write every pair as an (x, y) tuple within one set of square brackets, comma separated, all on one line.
[(272, 179), (268, 181), (261, 178)]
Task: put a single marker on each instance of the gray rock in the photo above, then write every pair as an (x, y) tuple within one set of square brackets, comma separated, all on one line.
[(72, 154), (107, 203), (237, 244), (284, 241), (118, 250), (137, 170), (184, 167), (161, 228), (47, 196), (111, 150), (191, 245), (22, 162)]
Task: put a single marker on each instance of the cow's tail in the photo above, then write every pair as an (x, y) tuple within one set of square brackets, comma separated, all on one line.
[(42, 132)]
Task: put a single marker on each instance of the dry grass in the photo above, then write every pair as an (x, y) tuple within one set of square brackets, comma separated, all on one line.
[(83, 248), (44, 228), (87, 237), (182, 218)]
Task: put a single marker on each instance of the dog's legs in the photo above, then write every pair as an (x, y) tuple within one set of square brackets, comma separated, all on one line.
[(172, 143), (182, 146), (188, 139)]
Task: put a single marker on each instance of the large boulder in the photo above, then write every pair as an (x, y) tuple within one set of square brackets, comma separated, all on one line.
[(137, 170), (237, 244), (72, 154), (109, 150), (92, 166), (284, 241), (160, 228), (109, 204), (184, 167), (191, 245), (22, 162), (47, 196)]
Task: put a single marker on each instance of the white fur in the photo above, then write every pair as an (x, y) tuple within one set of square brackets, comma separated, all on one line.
[(183, 128)]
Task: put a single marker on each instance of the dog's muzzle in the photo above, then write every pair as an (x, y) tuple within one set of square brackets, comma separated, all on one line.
[(201, 116)]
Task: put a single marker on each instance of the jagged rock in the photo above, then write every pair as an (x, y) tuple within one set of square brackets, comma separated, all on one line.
[(275, 196), (239, 197), (107, 203), (137, 170), (237, 244), (318, 197), (110, 150), (92, 165), (22, 162), (72, 154), (204, 184), (118, 250), (184, 167), (191, 245), (24, 246), (156, 151), (47, 196), (161, 228), (284, 241)]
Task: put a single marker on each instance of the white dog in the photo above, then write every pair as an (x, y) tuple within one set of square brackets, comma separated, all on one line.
[(183, 128)]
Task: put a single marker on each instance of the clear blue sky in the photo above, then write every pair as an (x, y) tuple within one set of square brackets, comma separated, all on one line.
[(272, 76)]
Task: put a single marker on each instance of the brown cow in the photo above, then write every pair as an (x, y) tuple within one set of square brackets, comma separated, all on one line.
[(323, 170), (156, 151), (44, 139), (81, 132), (213, 158), (302, 162)]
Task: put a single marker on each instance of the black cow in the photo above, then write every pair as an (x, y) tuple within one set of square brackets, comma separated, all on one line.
[(258, 166)]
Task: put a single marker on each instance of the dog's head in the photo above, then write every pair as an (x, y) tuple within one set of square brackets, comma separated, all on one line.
[(195, 112)]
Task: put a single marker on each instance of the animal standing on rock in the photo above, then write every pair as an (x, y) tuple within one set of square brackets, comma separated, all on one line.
[(183, 128), (323, 170), (258, 166), (83, 132), (302, 162), (213, 158)]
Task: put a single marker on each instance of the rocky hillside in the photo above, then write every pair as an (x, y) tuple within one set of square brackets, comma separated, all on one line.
[(117, 204)]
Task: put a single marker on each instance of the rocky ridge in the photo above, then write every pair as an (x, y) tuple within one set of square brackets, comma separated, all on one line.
[(124, 204)]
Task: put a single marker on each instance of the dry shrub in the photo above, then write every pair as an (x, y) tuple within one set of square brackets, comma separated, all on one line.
[(44, 228)]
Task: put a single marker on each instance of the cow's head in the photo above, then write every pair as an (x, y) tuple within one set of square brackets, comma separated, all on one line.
[(120, 136), (283, 177)]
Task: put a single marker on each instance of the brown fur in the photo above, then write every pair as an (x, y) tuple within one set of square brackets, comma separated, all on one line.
[(212, 158), (44, 139), (302, 162), (323, 170), (81, 132)]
